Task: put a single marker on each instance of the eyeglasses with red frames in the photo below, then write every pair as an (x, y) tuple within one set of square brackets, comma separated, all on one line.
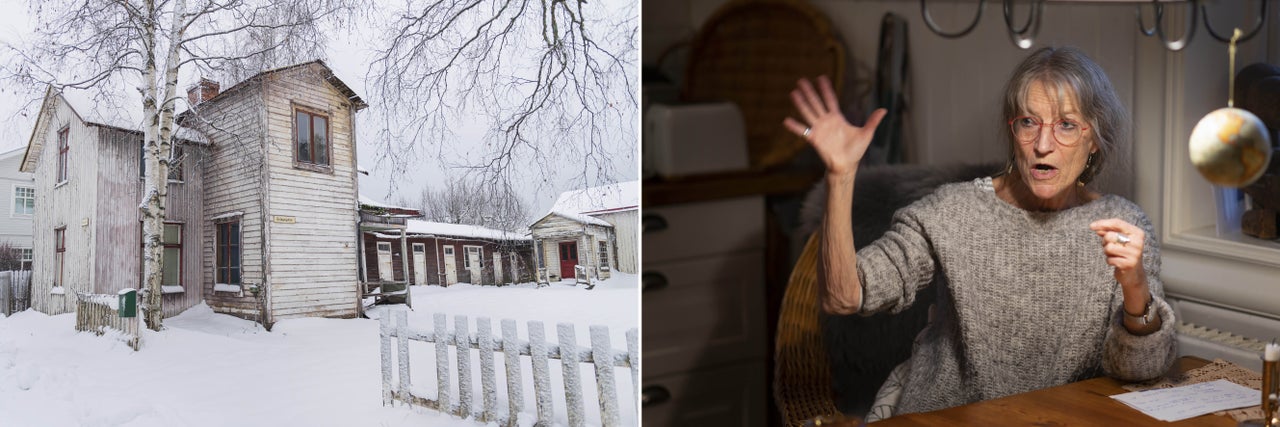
[(1067, 132)]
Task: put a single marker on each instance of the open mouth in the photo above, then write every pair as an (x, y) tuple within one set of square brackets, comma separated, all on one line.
[(1043, 171)]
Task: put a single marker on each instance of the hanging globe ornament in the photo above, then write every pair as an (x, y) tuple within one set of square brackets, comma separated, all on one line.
[(1230, 146)]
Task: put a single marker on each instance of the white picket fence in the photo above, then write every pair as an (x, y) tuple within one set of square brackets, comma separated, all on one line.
[(15, 291), (97, 312), (512, 349)]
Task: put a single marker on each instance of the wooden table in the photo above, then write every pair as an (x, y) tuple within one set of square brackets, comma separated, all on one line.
[(1084, 403)]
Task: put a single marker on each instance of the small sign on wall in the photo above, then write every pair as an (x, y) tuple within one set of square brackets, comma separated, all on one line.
[(279, 219)]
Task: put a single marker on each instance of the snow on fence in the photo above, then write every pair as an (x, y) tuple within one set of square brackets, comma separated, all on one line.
[(15, 291), (97, 312), (539, 351)]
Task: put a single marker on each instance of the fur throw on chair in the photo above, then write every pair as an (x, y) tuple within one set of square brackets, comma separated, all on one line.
[(863, 349)]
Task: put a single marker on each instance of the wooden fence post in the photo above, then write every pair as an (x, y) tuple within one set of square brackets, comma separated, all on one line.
[(442, 363), (487, 382), (602, 354), (384, 337), (572, 380), (511, 358), (402, 341), (462, 344), (633, 359), (541, 372)]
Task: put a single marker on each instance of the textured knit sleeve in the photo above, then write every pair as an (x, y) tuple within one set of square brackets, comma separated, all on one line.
[(898, 264), (1129, 357)]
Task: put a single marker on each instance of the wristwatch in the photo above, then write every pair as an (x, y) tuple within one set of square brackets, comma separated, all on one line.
[(1147, 315)]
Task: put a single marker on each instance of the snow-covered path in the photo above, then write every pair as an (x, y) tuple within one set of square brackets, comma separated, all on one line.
[(207, 369)]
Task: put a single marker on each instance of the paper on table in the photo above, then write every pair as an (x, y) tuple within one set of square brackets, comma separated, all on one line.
[(1179, 403)]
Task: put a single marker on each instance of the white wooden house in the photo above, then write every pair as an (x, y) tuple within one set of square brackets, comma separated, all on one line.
[(20, 189), (86, 226), (597, 227), (263, 219), (444, 254)]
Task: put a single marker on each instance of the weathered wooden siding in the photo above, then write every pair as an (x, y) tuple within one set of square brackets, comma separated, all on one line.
[(626, 244), (233, 183), (67, 205), (14, 228), (118, 225), (313, 262)]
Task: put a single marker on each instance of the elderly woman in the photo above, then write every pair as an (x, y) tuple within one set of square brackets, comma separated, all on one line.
[(1042, 280)]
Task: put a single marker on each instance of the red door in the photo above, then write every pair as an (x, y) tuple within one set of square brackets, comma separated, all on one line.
[(568, 258)]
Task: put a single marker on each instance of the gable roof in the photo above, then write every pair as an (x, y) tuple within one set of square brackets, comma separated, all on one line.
[(617, 197), (585, 219), (325, 72), (119, 110), (460, 230)]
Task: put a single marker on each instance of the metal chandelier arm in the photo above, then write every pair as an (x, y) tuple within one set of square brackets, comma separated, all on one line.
[(928, 21), (1256, 26)]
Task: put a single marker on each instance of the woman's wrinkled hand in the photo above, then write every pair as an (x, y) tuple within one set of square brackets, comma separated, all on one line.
[(840, 145), (1123, 243)]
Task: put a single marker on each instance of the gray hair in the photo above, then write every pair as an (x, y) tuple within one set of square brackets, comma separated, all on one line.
[(1071, 72)]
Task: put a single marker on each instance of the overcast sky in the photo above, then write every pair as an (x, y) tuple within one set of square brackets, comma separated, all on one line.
[(349, 54)]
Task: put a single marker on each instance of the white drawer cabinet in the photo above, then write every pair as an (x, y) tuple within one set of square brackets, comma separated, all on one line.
[(703, 313)]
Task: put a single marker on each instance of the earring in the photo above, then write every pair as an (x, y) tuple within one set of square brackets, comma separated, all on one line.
[(1087, 172)]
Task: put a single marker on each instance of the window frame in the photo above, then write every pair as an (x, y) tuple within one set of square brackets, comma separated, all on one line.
[(604, 252), (59, 255), (312, 113), (26, 256), (64, 153), (219, 245), (14, 211), (466, 256)]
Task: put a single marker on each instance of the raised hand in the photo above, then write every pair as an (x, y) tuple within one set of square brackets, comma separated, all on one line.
[(840, 145), (1123, 243)]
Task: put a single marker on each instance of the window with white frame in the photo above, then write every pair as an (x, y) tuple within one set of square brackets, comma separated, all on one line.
[(473, 252), (24, 200), (63, 149), (604, 253), (26, 258), (227, 249)]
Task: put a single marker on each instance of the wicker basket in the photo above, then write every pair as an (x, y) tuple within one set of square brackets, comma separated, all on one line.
[(751, 52)]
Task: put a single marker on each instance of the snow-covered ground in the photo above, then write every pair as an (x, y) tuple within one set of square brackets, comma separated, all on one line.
[(207, 369)]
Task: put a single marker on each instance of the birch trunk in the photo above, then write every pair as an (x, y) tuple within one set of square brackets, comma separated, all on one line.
[(159, 153), (153, 196)]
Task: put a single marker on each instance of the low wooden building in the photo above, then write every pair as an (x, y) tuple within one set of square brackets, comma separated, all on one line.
[(444, 254), (597, 227)]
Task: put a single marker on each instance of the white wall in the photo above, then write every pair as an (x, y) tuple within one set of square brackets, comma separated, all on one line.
[(14, 228)]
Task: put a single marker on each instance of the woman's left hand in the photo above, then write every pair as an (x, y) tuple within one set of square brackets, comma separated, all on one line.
[(1123, 243)]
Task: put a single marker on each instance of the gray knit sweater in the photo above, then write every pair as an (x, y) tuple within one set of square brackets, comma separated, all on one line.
[(1025, 301)]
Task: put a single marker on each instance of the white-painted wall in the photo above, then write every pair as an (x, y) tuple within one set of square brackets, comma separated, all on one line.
[(15, 228), (313, 261), (69, 204), (626, 243)]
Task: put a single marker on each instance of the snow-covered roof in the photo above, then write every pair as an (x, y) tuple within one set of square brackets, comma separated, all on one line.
[(595, 200), (460, 230), (586, 219), (366, 200), (118, 109)]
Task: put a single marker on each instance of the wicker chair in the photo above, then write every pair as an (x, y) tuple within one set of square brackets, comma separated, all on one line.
[(812, 379)]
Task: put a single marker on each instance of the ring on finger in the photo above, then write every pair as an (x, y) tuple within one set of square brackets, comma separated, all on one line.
[(807, 131), (1122, 239)]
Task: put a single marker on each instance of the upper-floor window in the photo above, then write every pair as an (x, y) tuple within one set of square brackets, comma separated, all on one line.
[(176, 156), (63, 148), (311, 141), (24, 200)]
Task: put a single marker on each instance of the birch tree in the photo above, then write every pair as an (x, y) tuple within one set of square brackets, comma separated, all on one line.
[(553, 81), (464, 200), (145, 46)]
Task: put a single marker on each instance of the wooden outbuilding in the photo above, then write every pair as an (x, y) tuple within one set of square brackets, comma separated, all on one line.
[(444, 254), (597, 227)]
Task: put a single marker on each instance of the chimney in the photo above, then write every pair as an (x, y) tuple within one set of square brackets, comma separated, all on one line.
[(202, 91)]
